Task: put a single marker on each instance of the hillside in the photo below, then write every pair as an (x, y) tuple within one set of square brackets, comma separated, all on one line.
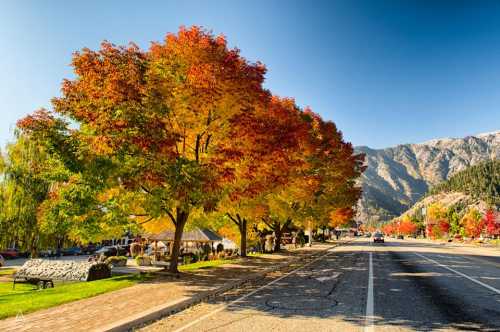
[(397, 177), (481, 181)]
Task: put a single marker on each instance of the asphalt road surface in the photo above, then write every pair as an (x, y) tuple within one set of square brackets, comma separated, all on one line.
[(401, 285)]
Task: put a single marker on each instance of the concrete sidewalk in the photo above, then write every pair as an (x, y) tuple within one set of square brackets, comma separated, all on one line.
[(122, 309), (466, 247)]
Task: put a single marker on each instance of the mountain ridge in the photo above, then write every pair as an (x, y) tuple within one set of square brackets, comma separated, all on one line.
[(397, 177)]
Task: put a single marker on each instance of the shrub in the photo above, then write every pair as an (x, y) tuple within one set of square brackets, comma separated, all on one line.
[(116, 260), (187, 259), (143, 260)]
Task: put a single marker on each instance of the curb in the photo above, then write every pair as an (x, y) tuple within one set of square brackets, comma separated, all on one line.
[(170, 308)]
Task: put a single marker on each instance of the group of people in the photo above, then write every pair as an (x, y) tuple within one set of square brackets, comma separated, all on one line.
[(267, 242)]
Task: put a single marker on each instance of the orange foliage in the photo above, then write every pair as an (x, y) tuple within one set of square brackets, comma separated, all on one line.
[(340, 217)]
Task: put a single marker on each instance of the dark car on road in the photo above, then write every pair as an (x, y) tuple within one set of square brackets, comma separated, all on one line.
[(378, 238), (401, 237), (73, 251)]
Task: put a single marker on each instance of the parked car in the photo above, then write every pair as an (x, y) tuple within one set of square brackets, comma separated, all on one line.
[(401, 237), (90, 249), (378, 237), (73, 251), (111, 251), (2, 261), (49, 252), (9, 253)]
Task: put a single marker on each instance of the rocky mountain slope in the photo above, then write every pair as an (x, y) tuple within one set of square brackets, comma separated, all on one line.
[(398, 177)]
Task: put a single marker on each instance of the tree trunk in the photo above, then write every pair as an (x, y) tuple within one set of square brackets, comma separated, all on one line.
[(243, 237), (277, 234), (242, 227), (181, 219)]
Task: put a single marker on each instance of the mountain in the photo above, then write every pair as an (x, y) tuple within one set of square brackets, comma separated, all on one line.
[(398, 177)]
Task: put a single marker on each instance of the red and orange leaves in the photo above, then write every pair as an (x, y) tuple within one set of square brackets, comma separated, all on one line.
[(340, 217)]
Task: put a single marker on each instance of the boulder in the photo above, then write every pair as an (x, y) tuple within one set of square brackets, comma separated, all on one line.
[(63, 270)]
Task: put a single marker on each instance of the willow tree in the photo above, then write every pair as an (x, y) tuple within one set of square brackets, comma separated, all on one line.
[(27, 177)]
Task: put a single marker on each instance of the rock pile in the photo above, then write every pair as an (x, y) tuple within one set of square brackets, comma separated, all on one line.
[(64, 270)]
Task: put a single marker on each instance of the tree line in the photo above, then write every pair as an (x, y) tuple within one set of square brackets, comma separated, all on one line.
[(481, 181), (180, 132)]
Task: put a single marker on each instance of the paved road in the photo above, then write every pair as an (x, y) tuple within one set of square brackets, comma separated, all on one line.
[(396, 286)]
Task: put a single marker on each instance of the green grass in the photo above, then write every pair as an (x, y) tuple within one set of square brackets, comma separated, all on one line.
[(25, 298), (6, 272), (494, 242), (257, 254), (204, 264)]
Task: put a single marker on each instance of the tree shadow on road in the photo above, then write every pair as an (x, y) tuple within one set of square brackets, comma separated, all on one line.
[(410, 291)]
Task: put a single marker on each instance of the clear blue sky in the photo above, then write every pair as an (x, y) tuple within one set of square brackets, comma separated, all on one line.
[(387, 72)]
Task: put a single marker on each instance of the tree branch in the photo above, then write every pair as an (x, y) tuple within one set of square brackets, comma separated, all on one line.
[(171, 217), (146, 221), (267, 224), (233, 219)]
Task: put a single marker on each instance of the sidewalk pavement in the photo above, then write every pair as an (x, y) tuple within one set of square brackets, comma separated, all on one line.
[(464, 247), (128, 307)]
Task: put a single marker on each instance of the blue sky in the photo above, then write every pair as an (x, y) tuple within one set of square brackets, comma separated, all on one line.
[(387, 72)]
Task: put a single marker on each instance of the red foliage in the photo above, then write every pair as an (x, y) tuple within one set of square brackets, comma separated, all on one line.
[(492, 222), (407, 227)]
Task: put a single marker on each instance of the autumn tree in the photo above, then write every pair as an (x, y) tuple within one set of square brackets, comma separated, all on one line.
[(341, 216), (330, 176), (323, 180), (406, 226), (492, 222), (437, 224), (473, 223), (164, 116)]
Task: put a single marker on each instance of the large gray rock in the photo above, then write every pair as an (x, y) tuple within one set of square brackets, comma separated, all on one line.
[(64, 270)]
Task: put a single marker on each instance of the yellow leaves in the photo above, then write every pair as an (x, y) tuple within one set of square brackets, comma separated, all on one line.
[(155, 226), (436, 212), (101, 145), (108, 194)]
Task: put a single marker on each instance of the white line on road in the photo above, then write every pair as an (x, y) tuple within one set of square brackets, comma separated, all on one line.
[(369, 320), (196, 321), (460, 274)]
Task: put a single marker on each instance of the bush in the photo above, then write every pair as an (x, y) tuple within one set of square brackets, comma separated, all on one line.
[(116, 260), (143, 260), (187, 259)]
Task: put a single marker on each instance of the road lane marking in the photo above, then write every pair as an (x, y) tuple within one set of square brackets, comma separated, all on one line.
[(493, 289), (369, 318), (202, 318)]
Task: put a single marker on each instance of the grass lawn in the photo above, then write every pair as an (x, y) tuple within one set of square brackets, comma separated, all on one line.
[(204, 264), (6, 272), (25, 299)]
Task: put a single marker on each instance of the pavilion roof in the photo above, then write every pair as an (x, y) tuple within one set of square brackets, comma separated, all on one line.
[(195, 235)]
